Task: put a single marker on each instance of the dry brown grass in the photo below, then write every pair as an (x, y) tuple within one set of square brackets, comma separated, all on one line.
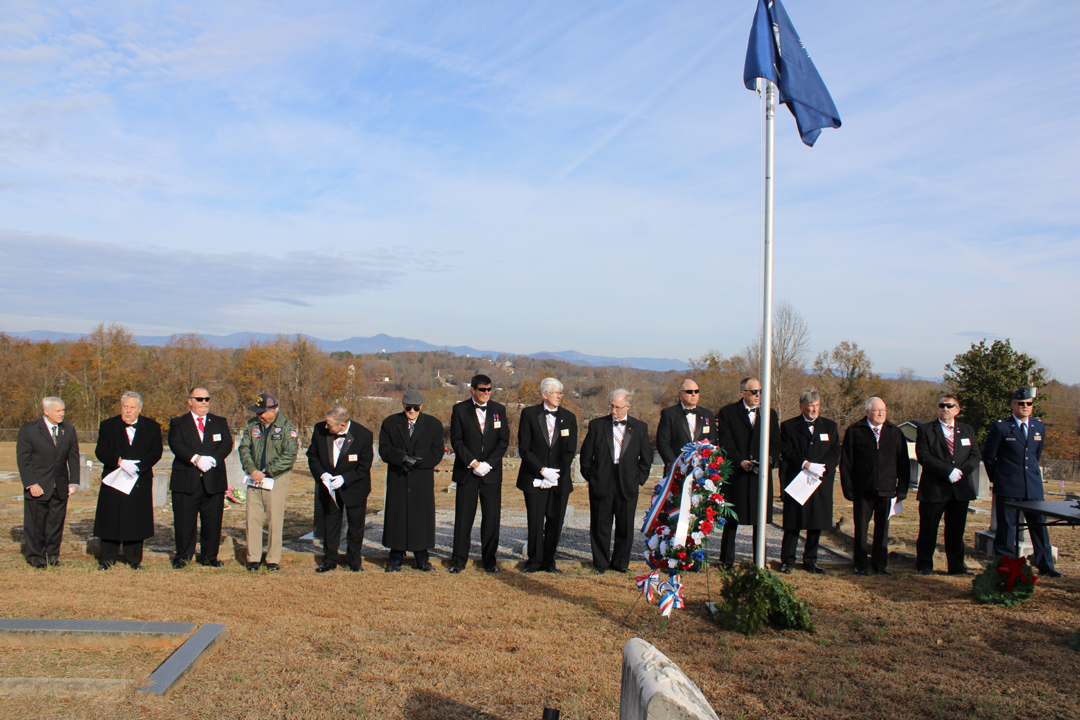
[(419, 646)]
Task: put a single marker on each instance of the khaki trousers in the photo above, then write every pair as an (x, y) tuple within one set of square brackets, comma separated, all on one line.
[(260, 504)]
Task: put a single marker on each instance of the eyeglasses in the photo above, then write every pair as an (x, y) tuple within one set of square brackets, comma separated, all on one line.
[(199, 399), (691, 392), (754, 392), (482, 390), (1024, 402), (618, 407), (947, 405), (412, 408)]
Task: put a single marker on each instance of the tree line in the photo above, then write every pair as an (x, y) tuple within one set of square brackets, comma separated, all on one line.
[(91, 373)]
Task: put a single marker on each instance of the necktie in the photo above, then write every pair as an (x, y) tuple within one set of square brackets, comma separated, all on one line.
[(949, 439), (1023, 430), (412, 426), (130, 430), (877, 433), (550, 426), (753, 416), (620, 432), (481, 415), (339, 442), (54, 437), (691, 422), (202, 427)]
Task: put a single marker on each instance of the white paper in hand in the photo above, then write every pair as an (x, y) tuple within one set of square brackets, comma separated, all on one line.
[(897, 507), (802, 487), (121, 480)]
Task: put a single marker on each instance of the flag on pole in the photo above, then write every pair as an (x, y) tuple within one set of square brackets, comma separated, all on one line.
[(776, 53)]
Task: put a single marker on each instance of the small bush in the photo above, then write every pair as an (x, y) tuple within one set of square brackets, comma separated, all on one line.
[(753, 597)]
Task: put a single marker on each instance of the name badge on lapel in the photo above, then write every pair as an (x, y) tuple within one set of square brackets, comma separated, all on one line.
[(497, 424), (565, 432), (352, 458), (215, 438), (824, 437), (1010, 439), (965, 442)]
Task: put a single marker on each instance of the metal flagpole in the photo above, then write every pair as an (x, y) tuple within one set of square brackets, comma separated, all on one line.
[(764, 415)]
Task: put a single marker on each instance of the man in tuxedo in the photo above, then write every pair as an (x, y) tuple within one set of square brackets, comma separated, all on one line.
[(1011, 454), (479, 435), (739, 431), (200, 442), (615, 461), (683, 423), (47, 452), (339, 458), (949, 456), (268, 451), (547, 441), (875, 469), (812, 443), (130, 442), (411, 445)]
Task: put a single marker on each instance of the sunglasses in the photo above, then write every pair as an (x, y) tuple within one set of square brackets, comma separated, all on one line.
[(753, 392), (946, 405), (412, 408), (200, 399), (487, 389), (691, 392), (1025, 402)]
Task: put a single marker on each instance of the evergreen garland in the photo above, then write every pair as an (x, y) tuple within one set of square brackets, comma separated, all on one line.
[(753, 597), (990, 586)]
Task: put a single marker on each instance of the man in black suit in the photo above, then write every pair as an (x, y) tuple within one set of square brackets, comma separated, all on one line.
[(479, 435), (411, 445), (339, 457), (132, 443), (812, 443), (739, 430), (47, 451), (547, 441), (949, 456), (615, 461), (200, 442), (875, 469), (683, 423)]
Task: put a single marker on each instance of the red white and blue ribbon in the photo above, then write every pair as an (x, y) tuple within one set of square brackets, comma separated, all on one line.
[(648, 585), (671, 596)]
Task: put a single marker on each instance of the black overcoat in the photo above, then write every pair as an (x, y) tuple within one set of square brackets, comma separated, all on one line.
[(739, 440), (409, 518), (798, 445), (130, 517)]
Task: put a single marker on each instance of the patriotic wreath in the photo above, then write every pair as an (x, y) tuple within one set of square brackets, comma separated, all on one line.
[(687, 506), (1006, 581)]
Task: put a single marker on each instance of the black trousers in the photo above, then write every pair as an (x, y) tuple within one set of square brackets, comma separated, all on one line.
[(727, 542), (789, 546), (110, 550), (354, 540), (397, 557), (1005, 539), (862, 510), (930, 513), (207, 509), (489, 497), (545, 511), (603, 511), (43, 528)]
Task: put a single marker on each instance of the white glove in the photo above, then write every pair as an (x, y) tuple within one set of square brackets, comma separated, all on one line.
[(482, 469), (550, 484), (955, 475), (337, 482), (550, 474), (816, 469), (326, 478), (131, 467), (538, 483), (205, 463)]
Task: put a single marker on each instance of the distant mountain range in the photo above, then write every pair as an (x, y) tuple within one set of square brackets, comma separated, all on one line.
[(386, 343)]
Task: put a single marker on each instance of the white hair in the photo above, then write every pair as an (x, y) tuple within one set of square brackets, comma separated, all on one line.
[(623, 392), (339, 414), (132, 394), (49, 402), (549, 384), (871, 402)]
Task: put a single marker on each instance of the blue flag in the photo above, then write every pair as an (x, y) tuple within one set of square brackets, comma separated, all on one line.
[(776, 53)]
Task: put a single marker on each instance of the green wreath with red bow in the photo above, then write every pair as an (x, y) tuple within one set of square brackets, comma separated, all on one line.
[(1007, 581)]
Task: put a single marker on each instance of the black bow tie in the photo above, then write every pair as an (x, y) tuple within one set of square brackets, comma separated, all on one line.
[(618, 422), (752, 410), (550, 412), (480, 407), (690, 412)]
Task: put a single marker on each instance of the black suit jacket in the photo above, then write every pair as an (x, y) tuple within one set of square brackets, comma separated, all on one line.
[(42, 463), (598, 466), (536, 453), (869, 469), (353, 465), (184, 442), (798, 445), (127, 517), (470, 444), (673, 432), (741, 441), (932, 451)]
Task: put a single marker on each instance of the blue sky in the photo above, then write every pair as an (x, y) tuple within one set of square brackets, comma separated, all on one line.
[(541, 176)]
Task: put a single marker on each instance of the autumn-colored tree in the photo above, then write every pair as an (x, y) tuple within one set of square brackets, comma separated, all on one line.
[(99, 368), (845, 380)]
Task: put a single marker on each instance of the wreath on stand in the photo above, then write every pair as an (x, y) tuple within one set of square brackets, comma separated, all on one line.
[(687, 505)]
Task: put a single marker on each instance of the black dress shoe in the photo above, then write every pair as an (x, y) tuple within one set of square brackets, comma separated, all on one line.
[(137, 566), (393, 568), (212, 563), (529, 570), (811, 567), (325, 567), (884, 571), (493, 569), (553, 570), (929, 572), (102, 566), (599, 571), (250, 566), (356, 568), (427, 567), (861, 572), (454, 569), (727, 566), (965, 571), (1051, 572), (273, 567), (786, 569), (179, 564)]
